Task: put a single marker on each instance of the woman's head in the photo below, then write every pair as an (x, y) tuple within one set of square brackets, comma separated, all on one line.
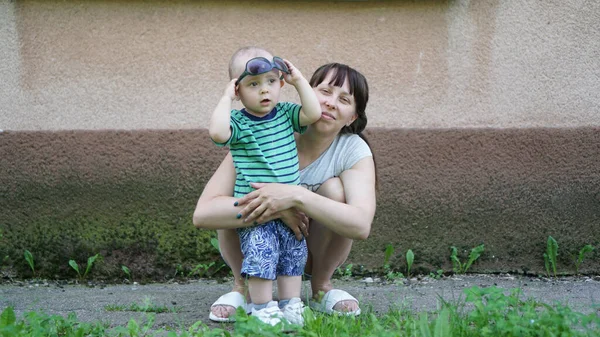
[(345, 91)]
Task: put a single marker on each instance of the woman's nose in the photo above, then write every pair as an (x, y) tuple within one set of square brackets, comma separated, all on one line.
[(329, 102)]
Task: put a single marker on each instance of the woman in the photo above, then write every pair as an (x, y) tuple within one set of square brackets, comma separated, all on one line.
[(337, 193)]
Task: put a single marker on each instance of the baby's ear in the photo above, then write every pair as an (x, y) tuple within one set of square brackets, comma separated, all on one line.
[(281, 83)]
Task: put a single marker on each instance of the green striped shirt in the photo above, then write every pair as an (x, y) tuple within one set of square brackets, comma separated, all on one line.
[(263, 148)]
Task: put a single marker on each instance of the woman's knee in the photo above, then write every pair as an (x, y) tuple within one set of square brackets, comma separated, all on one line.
[(333, 189)]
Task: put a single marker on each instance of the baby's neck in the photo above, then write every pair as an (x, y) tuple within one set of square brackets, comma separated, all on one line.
[(257, 114)]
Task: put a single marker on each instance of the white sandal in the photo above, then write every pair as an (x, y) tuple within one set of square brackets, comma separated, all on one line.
[(330, 299), (231, 299)]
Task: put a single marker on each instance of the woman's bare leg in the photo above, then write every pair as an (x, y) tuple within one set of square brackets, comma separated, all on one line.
[(229, 245), (328, 250)]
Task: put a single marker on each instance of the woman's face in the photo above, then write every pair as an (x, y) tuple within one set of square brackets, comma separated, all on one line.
[(338, 107)]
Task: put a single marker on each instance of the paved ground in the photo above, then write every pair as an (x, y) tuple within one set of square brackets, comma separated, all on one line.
[(192, 300)]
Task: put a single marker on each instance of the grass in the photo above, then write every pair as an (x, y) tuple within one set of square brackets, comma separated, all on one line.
[(146, 306), (483, 312)]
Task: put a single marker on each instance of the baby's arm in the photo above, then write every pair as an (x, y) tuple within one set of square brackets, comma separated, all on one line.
[(311, 108), (220, 130)]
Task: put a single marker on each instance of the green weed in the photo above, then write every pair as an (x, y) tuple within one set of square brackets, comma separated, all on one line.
[(178, 270), (389, 251), (345, 273), (29, 259), (461, 268), (126, 271), (348, 270), (90, 263), (201, 269), (410, 258), (215, 243), (146, 306), (388, 272), (437, 275), (394, 275), (40, 324), (550, 256), (586, 249), (134, 329)]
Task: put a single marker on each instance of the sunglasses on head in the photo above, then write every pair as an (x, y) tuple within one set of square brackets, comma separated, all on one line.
[(261, 65)]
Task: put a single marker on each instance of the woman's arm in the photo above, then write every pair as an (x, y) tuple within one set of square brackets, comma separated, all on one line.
[(215, 208), (351, 219)]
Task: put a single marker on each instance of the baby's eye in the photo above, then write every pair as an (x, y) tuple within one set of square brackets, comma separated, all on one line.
[(272, 80), (252, 84)]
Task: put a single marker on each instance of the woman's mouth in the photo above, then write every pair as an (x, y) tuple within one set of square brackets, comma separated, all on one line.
[(327, 116)]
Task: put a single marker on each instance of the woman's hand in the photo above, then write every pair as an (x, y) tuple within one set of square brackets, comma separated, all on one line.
[(295, 220), (268, 200)]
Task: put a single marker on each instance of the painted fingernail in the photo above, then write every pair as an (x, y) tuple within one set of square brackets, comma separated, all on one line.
[(235, 203), (238, 216)]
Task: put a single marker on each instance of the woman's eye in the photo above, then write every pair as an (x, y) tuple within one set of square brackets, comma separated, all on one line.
[(345, 100), (325, 91)]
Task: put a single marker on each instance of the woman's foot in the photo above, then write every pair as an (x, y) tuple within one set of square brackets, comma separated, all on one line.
[(226, 305), (342, 301), (346, 306)]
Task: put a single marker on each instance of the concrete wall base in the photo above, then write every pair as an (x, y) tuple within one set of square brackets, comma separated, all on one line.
[(129, 195)]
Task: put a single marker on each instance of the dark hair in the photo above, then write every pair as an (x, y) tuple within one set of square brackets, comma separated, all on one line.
[(358, 88)]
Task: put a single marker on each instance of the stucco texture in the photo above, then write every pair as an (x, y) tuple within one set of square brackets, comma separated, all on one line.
[(129, 195), (430, 64), (484, 117)]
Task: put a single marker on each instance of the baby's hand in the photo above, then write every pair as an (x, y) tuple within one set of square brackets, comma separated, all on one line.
[(294, 76), (231, 90)]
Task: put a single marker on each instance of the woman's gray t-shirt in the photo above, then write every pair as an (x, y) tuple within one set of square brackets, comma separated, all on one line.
[(345, 151)]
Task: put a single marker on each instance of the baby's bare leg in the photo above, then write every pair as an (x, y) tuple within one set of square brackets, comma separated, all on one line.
[(288, 287)]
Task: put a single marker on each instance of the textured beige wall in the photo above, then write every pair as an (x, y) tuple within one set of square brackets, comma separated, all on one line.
[(491, 112), (431, 64)]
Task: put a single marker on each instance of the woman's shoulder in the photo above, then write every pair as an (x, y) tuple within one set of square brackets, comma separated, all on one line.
[(349, 140), (349, 149)]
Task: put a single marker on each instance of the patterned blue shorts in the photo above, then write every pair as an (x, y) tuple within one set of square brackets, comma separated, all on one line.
[(270, 250)]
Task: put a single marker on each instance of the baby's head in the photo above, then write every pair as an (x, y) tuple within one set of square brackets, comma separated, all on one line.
[(258, 93), (238, 61)]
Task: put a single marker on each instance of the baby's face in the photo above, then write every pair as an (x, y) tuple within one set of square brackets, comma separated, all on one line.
[(258, 93)]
